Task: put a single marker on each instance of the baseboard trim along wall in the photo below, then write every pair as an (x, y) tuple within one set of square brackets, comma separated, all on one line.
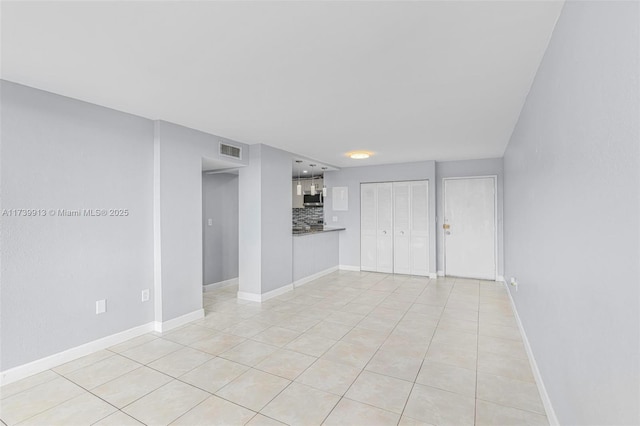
[(255, 297), (38, 366), (226, 283), (349, 268), (309, 278), (163, 327), (43, 364), (546, 401), (357, 269), (251, 297)]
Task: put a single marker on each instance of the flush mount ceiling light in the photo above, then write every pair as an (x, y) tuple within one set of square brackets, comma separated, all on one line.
[(359, 155)]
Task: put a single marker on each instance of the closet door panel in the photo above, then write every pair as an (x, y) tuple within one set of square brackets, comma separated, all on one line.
[(385, 228), (420, 228), (368, 227), (401, 228)]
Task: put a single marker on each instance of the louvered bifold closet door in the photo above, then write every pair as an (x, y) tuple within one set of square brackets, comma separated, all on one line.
[(385, 228), (402, 227), (395, 227), (420, 228), (368, 226)]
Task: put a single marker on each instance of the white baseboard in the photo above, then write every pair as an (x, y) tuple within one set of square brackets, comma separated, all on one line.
[(544, 396), (433, 275), (349, 268), (277, 292), (252, 297), (226, 283), (441, 273), (255, 297), (307, 279), (163, 327), (43, 364)]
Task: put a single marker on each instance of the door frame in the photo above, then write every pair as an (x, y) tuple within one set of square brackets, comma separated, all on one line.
[(495, 219)]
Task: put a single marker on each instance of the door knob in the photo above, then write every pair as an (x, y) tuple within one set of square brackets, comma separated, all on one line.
[(401, 232), (384, 232), (446, 226)]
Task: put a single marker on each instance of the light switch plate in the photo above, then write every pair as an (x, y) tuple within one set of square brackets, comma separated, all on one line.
[(101, 306), (145, 295), (210, 222)]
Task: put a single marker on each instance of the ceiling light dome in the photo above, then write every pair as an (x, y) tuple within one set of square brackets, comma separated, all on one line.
[(359, 155)]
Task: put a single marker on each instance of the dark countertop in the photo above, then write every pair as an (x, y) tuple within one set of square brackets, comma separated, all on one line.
[(315, 230)]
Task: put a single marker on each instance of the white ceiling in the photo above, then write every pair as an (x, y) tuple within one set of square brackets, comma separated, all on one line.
[(433, 80)]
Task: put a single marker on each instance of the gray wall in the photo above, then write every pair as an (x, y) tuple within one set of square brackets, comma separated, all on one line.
[(220, 240), (265, 221), (59, 153), (179, 174), (572, 211), (314, 253), (352, 177), (467, 168)]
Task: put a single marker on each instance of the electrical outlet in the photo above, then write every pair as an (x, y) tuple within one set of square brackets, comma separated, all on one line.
[(145, 295), (335, 218), (514, 283), (101, 306), (210, 222)]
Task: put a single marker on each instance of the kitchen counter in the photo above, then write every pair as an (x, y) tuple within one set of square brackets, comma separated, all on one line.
[(315, 230)]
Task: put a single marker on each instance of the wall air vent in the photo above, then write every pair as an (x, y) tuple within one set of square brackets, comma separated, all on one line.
[(230, 151)]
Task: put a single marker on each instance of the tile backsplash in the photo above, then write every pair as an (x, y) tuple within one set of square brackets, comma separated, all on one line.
[(308, 215)]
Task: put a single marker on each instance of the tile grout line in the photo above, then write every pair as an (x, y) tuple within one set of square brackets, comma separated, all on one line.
[(425, 355), (361, 370), (358, 291)]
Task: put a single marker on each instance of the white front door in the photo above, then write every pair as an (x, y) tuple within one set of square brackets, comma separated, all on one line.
[(470, 227)]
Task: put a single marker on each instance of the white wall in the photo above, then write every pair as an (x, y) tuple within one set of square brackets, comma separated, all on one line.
[(352, 177), (220, 239), (468, 168), (59, 153), (265, 221), (572, 214)]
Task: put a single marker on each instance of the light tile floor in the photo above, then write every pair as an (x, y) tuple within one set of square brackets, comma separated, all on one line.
[(350, 348)]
